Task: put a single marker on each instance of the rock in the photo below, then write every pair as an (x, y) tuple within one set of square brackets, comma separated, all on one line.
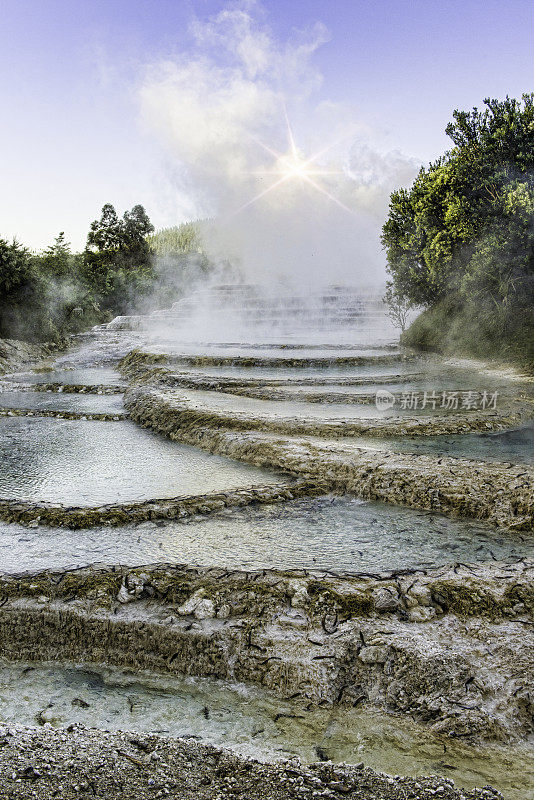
[(30, 772), (205, 609), (132, 588), (224, 611), (385, 600), (421, 614), (124, 596), (420, 594), (190, 605), (298, 592), (136, 583), (373, 654)]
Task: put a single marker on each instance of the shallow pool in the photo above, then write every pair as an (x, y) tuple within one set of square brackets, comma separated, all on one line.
[(301, 410), (176, 351), (267, 373), (515, 445), (82, 462), (341, 534), (63, 401), (88, 376), (252, 722)]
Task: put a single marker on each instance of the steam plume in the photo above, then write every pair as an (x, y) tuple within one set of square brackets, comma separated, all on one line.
[(220, 112)]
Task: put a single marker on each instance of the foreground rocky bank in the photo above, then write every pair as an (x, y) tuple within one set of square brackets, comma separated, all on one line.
[(75, 762), (453, 647)]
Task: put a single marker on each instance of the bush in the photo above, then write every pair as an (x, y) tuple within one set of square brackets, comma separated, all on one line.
[(461, 240)]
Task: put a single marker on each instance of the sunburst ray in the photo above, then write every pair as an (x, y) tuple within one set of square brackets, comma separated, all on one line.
[(293, 166)]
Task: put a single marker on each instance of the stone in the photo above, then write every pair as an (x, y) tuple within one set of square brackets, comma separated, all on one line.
[(373, 654), (204, 609), (420, 594), (421, 614), (124, 596), (298, 592), (385, 600), (190, 605)]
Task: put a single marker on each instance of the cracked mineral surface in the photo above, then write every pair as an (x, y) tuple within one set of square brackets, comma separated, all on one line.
[(424, 622)]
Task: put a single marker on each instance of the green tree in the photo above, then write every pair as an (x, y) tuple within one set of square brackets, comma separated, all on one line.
[(118, 259), (16, 285), (135, 248), (462, 237), (57, 260), (178, 240)]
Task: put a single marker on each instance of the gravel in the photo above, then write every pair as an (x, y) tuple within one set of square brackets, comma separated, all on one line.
[(77, 762)]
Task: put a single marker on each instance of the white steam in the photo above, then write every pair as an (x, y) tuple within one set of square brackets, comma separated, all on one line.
[(218, 107)]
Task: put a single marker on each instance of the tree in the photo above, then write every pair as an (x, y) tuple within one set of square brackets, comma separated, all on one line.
[(118, 258), (101, 252), (135, 248), (178, 240), (398, 307), (463, 234), (49, 295), (15, 268), (16, 285), (57, 259)]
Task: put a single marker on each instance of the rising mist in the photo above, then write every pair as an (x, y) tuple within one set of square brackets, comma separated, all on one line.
[(225, 110)]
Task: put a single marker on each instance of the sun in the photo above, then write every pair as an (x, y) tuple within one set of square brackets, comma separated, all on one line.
[(294, 166)]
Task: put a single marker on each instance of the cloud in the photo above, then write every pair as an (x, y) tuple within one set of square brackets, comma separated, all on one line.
[(220, 109)]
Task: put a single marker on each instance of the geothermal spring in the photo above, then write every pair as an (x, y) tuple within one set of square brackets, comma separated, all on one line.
[(254, 521)]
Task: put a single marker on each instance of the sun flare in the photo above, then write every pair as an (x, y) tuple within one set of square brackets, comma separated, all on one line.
[(293, 166)]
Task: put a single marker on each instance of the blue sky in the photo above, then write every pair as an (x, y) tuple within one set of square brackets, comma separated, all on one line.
[(74, 132)]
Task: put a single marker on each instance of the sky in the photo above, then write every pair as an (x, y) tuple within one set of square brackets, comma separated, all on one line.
[(107, 101)]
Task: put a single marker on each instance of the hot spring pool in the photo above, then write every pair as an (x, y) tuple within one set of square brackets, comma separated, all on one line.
[(252, 722), (85, 463), (341, 534)]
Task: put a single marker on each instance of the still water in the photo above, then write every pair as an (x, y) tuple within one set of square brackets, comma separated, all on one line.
[(341, 534), (515, 445), (88, 376), (82, 462), (268, 409), (252, 722), (59, 401)]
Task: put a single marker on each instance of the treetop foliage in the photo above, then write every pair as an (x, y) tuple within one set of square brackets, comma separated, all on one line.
[(184, 238), (124, 268), (465, 229)]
